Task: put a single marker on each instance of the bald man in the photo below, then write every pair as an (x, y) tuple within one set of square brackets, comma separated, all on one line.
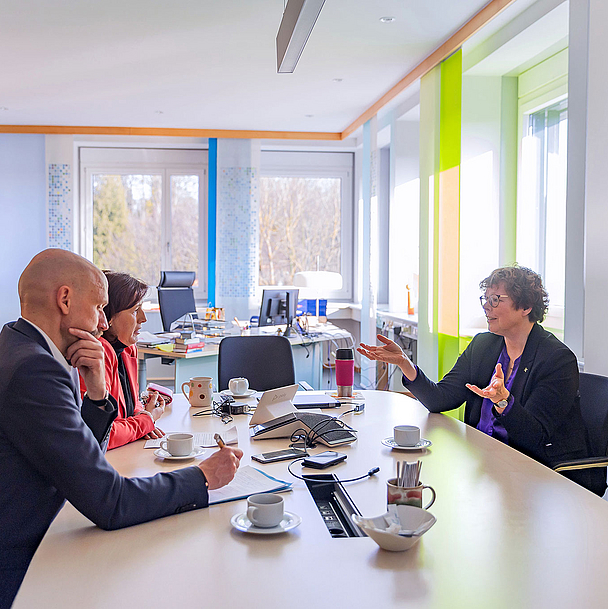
[(51, 444)]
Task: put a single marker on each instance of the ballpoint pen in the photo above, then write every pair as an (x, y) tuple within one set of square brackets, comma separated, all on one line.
[(219, 440)]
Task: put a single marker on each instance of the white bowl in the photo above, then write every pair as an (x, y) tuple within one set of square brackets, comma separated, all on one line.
[(411, 518)]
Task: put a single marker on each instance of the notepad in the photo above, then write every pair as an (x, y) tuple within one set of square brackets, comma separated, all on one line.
[(202, 439), (247, 481)]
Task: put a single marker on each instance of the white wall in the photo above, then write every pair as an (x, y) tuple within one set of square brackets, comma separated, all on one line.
[(23, 213), (479, 193), (596, 200), (404, 215)]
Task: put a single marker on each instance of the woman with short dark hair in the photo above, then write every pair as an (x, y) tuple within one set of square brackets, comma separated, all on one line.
[(125, 317), (519, 382)]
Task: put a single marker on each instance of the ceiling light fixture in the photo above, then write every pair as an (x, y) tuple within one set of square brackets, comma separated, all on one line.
[(387, 19), (299, 17)]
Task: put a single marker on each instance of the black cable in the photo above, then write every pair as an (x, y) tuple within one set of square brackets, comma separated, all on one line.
[(369, 474)]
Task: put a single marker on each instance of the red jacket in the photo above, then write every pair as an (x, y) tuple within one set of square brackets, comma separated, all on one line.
[(125, 429)]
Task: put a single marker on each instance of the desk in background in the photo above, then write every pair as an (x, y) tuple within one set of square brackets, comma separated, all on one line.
[(308, 356), (510, 533)]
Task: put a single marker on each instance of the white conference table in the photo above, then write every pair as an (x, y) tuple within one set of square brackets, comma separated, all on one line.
[(510, 533)]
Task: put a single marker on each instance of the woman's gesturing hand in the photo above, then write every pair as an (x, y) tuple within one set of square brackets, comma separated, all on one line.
[(391, 353), (496, 390)]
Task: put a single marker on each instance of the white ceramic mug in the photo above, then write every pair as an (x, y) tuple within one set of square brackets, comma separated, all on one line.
[(265, 510), (406, 435), (200, 391), (238, 386), (178, 444)]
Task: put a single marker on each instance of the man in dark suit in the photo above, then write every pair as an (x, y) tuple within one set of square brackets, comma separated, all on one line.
[(47, 452)]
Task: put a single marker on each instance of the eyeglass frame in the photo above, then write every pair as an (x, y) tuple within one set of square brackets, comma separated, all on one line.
[(487, 299)]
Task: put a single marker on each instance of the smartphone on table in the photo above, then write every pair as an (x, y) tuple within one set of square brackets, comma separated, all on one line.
[(323, 460), (280, 455)]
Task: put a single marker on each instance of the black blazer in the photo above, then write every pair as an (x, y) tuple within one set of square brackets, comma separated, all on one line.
[(545, 420), (48, 454)]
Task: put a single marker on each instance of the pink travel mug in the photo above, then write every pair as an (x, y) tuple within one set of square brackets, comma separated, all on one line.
[(345, 372)]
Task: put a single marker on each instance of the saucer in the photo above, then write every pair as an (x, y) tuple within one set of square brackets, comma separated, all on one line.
[(163, 454), (240, 396), (242, 523), (390, 442)]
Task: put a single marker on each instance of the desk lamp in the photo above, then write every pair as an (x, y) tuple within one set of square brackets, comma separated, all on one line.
[(318, 281)]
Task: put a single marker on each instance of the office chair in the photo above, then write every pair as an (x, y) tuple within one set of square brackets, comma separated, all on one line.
[(593, 389), (265, 361), (175, 296)]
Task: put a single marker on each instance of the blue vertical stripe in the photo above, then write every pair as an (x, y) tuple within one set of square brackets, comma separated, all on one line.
[(211, 221)]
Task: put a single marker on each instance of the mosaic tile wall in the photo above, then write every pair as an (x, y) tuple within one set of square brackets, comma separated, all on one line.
[(237, 232), (60, 207)]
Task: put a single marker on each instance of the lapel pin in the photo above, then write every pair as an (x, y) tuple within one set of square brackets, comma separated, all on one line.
[(525, 370)]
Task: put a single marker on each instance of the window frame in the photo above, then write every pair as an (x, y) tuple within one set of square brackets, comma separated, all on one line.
[(317, 164), (547, 96), (164, 162)]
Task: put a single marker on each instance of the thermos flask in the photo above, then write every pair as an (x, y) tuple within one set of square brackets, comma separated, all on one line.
[(345, 372)]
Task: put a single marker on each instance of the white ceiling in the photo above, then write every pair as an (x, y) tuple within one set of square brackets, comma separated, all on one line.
[(208, 64)]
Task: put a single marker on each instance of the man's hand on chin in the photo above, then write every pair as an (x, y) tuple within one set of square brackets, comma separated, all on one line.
[(86, 354)]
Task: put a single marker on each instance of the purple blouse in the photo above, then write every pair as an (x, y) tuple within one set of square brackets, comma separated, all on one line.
[(488, 423)]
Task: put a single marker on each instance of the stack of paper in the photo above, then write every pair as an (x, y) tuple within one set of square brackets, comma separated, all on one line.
[(248, 481)]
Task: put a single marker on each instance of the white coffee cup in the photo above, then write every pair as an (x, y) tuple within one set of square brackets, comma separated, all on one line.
[(238, 386), (178, 444), (200, 391), (265, 510), (406, 435)]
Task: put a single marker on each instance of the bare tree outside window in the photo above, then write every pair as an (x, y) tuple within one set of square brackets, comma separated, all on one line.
[(127, 224), (300, 220), (184, 222)]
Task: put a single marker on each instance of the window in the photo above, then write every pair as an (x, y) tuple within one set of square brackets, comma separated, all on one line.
[(306, 217), (542, 216), (145, 211)]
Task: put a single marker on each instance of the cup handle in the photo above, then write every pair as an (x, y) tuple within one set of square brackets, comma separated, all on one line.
[(183, 384), (251, 513), (426, 507), (163, 445)]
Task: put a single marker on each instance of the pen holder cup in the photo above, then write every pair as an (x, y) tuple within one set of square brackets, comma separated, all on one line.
[(399, 495)]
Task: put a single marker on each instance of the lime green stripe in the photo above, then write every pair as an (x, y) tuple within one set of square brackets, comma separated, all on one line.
[(451, 111), (449, 158)]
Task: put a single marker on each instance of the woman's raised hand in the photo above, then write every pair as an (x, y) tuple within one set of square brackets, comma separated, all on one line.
[(389, 352)]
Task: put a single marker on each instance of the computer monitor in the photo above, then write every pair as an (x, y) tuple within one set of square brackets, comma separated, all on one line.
[(278, 306)]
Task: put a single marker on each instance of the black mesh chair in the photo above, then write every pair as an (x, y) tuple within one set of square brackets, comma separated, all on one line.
[(175, 296), (265, 361), (593, 390)]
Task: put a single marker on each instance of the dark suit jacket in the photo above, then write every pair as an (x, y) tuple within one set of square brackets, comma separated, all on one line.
[(48, 454), (545, 421)]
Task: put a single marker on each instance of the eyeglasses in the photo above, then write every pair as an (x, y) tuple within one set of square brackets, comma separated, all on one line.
[(492, 299)]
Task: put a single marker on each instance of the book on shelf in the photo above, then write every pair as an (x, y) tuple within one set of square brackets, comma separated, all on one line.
[(188, 341), (180, 348)]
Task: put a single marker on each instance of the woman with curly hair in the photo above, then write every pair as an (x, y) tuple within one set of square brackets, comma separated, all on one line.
[(519, 382)]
